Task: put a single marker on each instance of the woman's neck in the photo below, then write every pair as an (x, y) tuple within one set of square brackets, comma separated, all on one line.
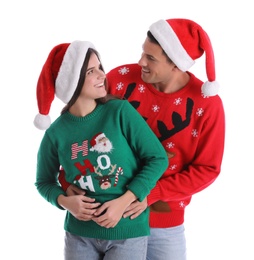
[(82, 108)]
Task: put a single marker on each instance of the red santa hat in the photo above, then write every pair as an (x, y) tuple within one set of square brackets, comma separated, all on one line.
[(96, 138), (184, 41), (59, 76)]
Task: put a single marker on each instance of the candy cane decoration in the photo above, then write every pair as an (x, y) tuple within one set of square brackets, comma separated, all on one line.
[(119, 171)]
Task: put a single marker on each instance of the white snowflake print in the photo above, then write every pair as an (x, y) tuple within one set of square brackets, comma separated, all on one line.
[(141, 88), (172, 167), (194, 133), (181, 204), (155, 108), (170, 145), (119, 86), (178, 101), (123, 70), (200, 112)]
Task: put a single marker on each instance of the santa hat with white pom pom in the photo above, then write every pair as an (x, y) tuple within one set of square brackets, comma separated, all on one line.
[(184, 41), (59, 76)]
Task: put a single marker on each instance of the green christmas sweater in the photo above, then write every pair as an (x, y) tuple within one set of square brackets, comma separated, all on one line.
[(105, 153)]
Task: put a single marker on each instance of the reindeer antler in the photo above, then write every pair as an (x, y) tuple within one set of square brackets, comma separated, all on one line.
[(96, 171), (113, 167)]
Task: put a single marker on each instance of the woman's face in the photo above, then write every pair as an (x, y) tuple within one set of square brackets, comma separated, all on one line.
[(94, 86)]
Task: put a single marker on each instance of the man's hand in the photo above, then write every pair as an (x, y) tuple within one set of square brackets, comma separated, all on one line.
[(74, 190), (135, 209)]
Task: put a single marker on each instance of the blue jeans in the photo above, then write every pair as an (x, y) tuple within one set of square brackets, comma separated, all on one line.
[(82, 248), (167, 243)]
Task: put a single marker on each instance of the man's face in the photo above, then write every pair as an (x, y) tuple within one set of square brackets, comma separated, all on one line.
[(156, 69)]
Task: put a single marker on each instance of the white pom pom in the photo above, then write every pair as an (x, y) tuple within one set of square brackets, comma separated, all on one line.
[(210, 88), (42, 122)]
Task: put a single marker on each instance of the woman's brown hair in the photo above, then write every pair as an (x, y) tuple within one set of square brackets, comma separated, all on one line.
[(81, 81)]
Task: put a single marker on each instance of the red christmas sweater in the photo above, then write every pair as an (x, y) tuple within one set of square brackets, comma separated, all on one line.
[(191, 128)]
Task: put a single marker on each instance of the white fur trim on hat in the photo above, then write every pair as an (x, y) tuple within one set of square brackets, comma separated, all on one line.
[(69, 72), (210, 88), (170, 43), (42, 122)]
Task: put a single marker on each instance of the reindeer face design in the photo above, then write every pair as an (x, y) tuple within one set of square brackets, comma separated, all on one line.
[(105, 180)]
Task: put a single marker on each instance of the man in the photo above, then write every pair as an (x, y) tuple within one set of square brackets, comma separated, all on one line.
[(186, 114)]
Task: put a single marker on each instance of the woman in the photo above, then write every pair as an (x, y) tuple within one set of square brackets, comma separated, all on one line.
[(105, 147)]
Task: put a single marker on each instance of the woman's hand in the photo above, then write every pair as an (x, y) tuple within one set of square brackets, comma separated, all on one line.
[(110, 213), (80, 206)]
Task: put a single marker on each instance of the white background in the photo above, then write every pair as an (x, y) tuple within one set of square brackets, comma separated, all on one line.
[(219, 220)]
